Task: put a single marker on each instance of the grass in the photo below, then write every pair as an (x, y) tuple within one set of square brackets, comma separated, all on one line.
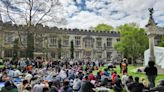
[(1, 66), (131, 71)]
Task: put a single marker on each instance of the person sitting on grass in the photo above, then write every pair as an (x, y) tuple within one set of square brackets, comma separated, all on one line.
[(5, 77), (91, 76), (136, 86), (86, 85), (98, 76), (124, 78), (118, 84), (159, 88), (145, 83), (76, 84), (114, 74), (66, 87), (129, 82), (106, 72), (9, 87), (23, 85)]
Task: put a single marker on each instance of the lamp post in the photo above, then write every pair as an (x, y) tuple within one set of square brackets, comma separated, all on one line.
[(151, 32)]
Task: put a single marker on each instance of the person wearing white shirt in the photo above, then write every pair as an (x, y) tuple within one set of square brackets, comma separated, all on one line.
[(63, 74), (76, 84), (17, 73), (28, 76), (124, 78), (38, 87)]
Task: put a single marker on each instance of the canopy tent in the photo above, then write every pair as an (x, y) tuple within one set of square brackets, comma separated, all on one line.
[(159, 56)]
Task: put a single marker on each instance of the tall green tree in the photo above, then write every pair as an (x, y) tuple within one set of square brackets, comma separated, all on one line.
[(103, 27), (72, 50), (133, 41), (15, 49)]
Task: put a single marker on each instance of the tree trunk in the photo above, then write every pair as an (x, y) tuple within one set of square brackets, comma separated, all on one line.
[(59, 49), (15, 50), (30, 45), (72, 50), (133, 61)]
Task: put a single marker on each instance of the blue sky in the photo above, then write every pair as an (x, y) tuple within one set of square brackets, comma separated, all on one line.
[(89, 13)]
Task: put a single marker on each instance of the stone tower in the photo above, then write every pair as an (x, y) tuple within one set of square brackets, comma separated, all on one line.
[(151, 32)]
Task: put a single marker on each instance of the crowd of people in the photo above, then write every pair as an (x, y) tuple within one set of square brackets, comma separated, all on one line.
[(39, 75)]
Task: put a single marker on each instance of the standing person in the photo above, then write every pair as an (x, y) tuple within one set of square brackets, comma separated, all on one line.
[(151, 73), (124, 66)]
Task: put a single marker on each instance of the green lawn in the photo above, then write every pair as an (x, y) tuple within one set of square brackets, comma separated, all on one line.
[(1, 66), (131, 71)]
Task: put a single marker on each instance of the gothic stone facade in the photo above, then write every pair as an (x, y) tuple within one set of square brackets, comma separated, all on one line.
[(88, 44)]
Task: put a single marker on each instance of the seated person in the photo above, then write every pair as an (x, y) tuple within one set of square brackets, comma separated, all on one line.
[(9, 87), (5, 77), (159, 88)]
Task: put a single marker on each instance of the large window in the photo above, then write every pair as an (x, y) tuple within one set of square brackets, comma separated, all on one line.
[(89, 42), (109, 42), (77, 55), (88, 54), (22, 53), (53, 54), (8, 53), (109, 55), (98, 42), (52, 41), (118, 39), (77, 41), (66, 41), (24, 39), (99, 55), (38, 44), (8, 38)]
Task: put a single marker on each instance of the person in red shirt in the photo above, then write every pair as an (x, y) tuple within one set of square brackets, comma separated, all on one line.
[(114, 74), (29, 68), (91, 76)]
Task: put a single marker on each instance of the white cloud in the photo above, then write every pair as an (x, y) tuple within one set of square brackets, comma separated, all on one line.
[(126, 11), (112, 12)]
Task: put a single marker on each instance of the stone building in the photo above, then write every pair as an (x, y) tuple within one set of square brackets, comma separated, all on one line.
[(88, 44)]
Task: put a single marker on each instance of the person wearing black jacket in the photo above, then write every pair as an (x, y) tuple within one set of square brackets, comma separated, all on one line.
[(151, 73), (159, 88), (136, 86)]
